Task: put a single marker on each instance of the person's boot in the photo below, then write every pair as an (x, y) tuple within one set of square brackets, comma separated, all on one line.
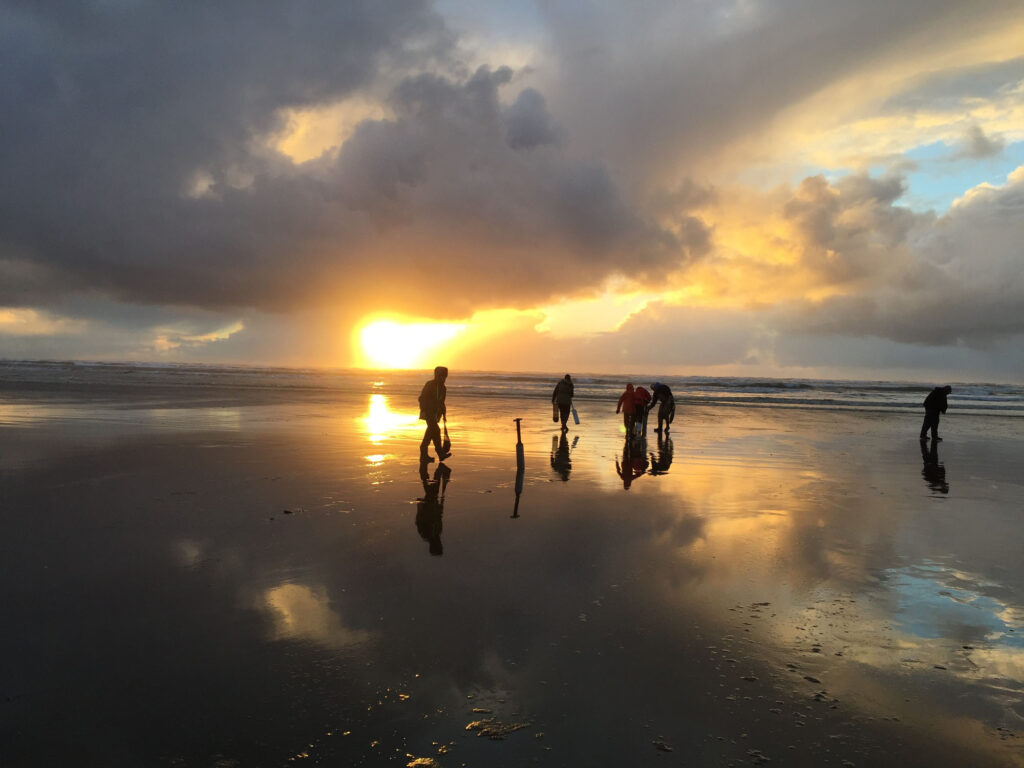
[(425, 458)]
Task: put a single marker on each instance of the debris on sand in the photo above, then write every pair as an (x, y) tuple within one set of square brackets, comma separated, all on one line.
[(757, 757), (423, 762), (493, 729), (662, 746)]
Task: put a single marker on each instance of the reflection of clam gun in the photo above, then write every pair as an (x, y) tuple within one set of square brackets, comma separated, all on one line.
[(520, 460), (520, 466)]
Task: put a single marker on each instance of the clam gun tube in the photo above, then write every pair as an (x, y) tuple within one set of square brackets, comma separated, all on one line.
[(520, 467)]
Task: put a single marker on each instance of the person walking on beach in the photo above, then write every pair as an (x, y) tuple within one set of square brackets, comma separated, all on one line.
[(666, 409), (934, 404), (432, 410), (627, 404), (562, 397)]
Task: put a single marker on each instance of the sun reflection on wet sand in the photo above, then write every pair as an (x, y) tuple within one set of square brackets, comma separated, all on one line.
[(24, 414), (380, 423)]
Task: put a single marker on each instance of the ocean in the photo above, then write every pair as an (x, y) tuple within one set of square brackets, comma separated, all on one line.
[(133, 380)]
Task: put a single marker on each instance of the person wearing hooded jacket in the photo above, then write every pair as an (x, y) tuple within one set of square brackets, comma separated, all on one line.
[(432, 410), (562, 397), (627, 404)]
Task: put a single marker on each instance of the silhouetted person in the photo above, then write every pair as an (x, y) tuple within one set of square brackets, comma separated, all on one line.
[(627, 404), (560, 461), (934, 404), (562, 397), (430, 508), (933, 472), (666, 405), (634, 461), (661, 464), (432, 410), (643, 397)]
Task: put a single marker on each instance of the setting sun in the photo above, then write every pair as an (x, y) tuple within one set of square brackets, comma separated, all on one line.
[(389, 344)]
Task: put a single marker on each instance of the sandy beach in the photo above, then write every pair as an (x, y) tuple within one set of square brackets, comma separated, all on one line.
[(255, 582)]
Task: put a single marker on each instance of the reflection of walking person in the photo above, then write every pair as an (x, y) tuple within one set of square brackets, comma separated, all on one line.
[(432, 410), (560, 461), (934, 404), (562, 397), (430, 508)]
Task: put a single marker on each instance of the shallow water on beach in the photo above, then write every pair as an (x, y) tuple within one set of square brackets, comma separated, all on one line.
[(243, 584)]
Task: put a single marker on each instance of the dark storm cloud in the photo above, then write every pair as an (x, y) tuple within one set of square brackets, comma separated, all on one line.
[(500, 222), (114, 110), (110, 108), (528, 123), (657, 85)]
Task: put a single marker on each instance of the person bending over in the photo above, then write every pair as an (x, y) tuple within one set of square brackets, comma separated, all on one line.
[(627, 404), (666, 405), (934, 404)]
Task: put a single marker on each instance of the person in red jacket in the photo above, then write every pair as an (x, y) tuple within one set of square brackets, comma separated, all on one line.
[(627, 404), (643, 397)]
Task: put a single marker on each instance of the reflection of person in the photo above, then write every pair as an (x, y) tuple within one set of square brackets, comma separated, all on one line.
[(661, 464), (627, 404), (634, 461), (560, 461), (934, 404), (666, 409), (562, 397), (432, 410), (933, 472), (430, 508)]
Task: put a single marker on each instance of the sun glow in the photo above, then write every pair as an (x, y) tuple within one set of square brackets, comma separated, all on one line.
[(389, 344)]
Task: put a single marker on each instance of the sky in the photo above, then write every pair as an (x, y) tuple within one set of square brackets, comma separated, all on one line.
[(811, 188)]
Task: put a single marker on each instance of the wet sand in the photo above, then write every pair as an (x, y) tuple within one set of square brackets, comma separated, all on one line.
[(228, 583)]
